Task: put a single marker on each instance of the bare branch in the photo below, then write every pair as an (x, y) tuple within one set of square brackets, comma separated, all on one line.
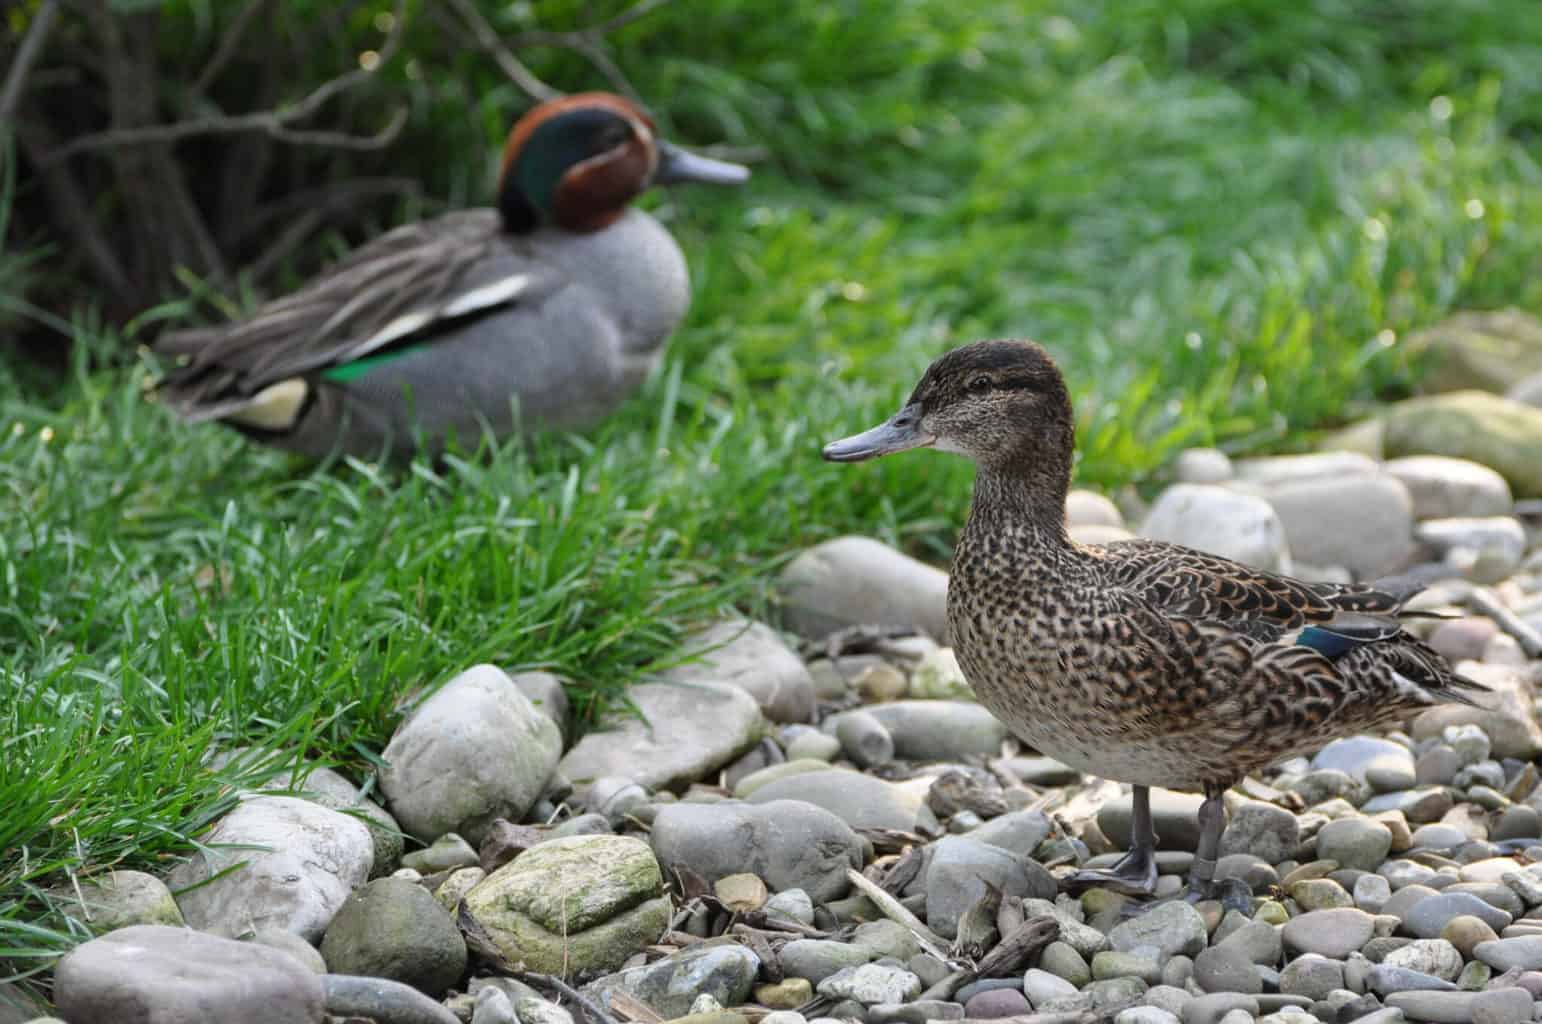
[(274, 122), (270, 121), (229, 43), (589, 42), (31, 48), (487, 39)]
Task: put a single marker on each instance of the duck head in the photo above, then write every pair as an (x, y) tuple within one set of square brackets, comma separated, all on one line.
[(578, 161), (1003, 404)]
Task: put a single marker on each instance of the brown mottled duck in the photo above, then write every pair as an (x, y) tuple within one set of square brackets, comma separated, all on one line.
[(1139, 661)]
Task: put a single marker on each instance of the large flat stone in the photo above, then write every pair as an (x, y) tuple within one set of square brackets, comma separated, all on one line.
[(681, 733)]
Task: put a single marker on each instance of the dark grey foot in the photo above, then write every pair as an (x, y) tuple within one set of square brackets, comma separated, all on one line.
[(1134, 874), (1233, 894)]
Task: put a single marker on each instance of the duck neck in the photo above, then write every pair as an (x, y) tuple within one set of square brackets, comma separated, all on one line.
[(1024, 493)]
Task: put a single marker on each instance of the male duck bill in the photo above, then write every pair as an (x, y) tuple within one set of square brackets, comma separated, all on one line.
[(546, 311), (1139, 661)]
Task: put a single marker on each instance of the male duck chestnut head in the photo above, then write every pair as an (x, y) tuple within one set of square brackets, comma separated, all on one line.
[(545, 310), (1139, 661)]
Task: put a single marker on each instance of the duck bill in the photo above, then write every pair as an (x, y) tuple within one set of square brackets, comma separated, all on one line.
[(678, 165), (899, 433)]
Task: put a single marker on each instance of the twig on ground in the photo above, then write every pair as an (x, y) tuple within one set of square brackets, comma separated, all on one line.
[(596, 1013), (895, 911)]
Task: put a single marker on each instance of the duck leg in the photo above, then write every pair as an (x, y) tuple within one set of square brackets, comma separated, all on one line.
[(1134, 874), (1232, 892)]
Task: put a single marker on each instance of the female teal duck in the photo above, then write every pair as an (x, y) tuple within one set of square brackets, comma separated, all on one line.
[(1139, 661), (551, 308)]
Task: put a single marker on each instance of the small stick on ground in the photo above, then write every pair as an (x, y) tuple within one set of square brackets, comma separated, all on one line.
[(895, 911), (592, 1010)]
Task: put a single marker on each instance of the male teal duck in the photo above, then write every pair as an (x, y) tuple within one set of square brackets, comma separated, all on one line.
[(549, 309), (1139, 661)]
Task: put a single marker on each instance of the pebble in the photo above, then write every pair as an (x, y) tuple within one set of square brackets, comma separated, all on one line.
[(1065, 962), (753, 657), (792, 905), (817, 959), (1427, 917), (918, 1012), (681, 732), (864, 739), (870, 984), (120, 899), (1465, 932), (851, 581), (1264, 830), (1145, 1015), (300, 859), (579, 903), (811, 745), (1202, 466), (395, 929), (1312, 976), (1256, 941), (1041, 985), (1382, 764), (1220, 521), (1020, 832), (998, 1002), (787, 994), (861, 801), (1372, 513), (960, 871), (1170, 929), (1523, 953), (1331, 933), (474, 750), (1384, 979), (788, 843), (1358, 843), (1112, 964), (671, 985), (1372, 892), (1212, 1008), (1223, 969), (1441, 487), (939, 730), (446, 853), (1172, 814), (161, 973), (1428, 956)]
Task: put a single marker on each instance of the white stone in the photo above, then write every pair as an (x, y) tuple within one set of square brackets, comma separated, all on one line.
[(1089, 508), (1487, 549), (1362, 521), (1222, 522), (684, 732), (751, 656), (1441, 487), (860, 581), (1203, 466), (473, 751), (1274, 470), (300, 860)]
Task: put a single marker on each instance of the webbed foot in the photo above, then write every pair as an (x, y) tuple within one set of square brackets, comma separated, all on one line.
[(1134, 874)]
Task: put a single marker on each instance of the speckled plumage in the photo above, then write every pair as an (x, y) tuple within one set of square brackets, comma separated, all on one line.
[(1139, 661)]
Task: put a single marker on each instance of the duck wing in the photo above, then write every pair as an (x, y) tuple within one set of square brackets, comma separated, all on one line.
[(1191, 584), (387, 295)]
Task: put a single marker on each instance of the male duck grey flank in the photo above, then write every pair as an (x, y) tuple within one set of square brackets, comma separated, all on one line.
[(559, 300), (1138, 661)]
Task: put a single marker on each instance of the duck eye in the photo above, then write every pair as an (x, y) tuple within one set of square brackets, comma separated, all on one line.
[(980, 384)]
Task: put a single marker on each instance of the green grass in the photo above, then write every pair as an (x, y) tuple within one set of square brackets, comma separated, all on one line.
[(1221, 216)]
